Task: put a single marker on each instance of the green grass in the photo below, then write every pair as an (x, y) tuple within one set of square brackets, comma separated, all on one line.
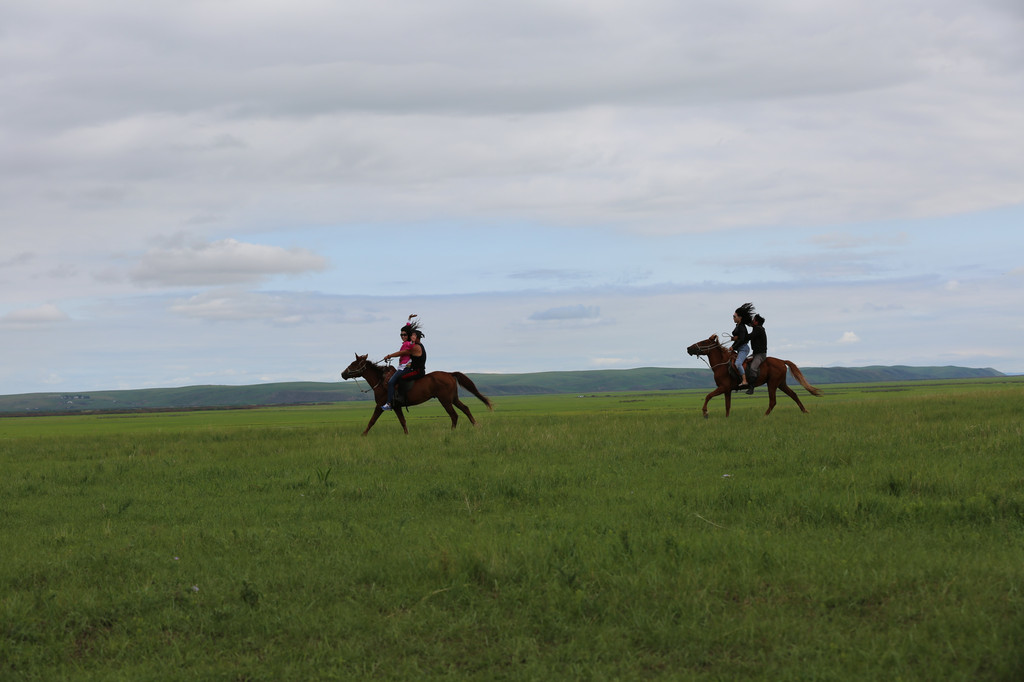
[(616, 536)]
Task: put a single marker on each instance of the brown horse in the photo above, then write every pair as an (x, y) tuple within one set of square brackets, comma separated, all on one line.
[(441, 385), (771, 372)]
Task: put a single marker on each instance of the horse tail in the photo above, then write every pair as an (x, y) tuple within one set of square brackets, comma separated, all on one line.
[(468, 384), (800, 377)]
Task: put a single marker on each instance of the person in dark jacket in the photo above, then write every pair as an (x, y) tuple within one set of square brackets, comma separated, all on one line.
[(758, 349), (740, 338)]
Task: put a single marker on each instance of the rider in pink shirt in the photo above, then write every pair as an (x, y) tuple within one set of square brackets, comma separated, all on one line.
[(403, 360)]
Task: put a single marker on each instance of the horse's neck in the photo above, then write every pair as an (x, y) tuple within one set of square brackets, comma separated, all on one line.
[(374, 374)]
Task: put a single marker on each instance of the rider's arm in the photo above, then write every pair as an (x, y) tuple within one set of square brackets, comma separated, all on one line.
[(415, 351)]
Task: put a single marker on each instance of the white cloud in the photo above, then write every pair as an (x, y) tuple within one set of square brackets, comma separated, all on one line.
[(224, 305), (280, 309), (623, 363), (552, 275), (555, 154), (223, 262), (41, 316), (18, 259), (647, 116), (849, 240), (492, 333), (571, 312)]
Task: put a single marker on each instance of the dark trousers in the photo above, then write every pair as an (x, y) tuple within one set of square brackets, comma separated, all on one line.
[(395, 378)]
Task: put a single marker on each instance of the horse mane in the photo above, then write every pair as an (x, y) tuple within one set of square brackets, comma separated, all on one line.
[(379, 366)]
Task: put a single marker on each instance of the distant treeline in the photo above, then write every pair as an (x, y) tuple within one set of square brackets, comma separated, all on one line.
[(300, 393)]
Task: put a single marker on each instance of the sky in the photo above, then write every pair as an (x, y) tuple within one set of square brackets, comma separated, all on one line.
[(227, 192)]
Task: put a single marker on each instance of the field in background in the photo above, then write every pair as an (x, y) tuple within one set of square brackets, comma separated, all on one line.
[(597, 536)]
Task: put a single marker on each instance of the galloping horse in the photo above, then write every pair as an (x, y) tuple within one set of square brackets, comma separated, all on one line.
[(441, 385), (771, 372)]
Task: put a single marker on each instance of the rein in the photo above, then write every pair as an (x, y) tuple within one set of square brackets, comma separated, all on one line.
[(362, 375), (712, 367), (706, 350)]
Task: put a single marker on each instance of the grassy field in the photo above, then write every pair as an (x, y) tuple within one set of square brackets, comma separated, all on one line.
[(610, 536)]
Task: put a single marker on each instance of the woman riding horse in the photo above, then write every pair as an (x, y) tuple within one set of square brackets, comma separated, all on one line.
[(773, 373), (417, 365), (441, 385)]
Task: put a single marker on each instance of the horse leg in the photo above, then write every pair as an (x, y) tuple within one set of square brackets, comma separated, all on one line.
[(377, 412), (708, 397), (465, 410), (772, 385), (728, 402), (401, 419), (447, 405), (792, 394)]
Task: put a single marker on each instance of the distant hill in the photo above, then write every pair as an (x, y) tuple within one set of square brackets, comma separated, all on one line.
[(302, 393), (666, 379), (188, 397)]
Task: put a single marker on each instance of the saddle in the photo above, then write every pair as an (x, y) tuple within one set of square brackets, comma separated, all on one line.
[(746, 367), (403, 386)]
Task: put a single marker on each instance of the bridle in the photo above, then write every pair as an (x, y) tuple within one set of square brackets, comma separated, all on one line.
[(705, 347), (360, 373)]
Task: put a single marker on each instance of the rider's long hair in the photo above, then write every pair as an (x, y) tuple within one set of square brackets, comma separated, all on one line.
[(413, 327), (746, 312)]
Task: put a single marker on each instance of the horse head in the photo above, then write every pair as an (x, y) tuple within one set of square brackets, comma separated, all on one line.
[(356, 368), (704, 347)]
